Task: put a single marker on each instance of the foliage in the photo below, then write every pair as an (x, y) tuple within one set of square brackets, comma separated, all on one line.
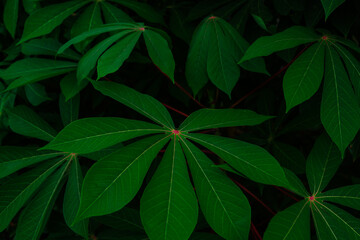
[(89, 149)]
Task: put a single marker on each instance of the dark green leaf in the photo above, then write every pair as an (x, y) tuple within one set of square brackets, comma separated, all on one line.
[(93, 134), (117, 182), (289, 38), (217, 118), (169, 207), (11, 12), (69, 110), (25, 121), (44, 20), (347, 196), (225, 207), (330, 6), (113, 14), (36, 93), (142, 103)]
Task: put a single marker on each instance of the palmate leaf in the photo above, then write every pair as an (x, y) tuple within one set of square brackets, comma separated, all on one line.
[(347, 196), (225, 207), (196, 71), (113, 14), (304, 76), (222, 68), (87, 135), (292, 223), (11, 12), (168, 206), (144, 104), (216, 118), (15, 158), (25, 121), (330, 5), (15, 194), (340, 112), (115, 56), (160, 52), (72, 199), (322, 164), (289, 38), (46, 19), (114, 180), (34, 217), (334, 223), (250, 160)]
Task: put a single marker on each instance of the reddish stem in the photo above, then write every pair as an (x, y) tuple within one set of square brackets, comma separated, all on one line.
[(175, 110), (189, 95), (256, 232), (270, 78), (255, 197)]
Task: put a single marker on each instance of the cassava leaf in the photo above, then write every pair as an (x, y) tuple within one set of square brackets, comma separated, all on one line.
[(304, 76), (340, 112), (160, 52), (347, 196), (292, 223), (15, 194), (115, 56), (224, 206), (330, 5), (44, 20), (322, 164), (15, 158), (11, 12), (117, 178), (25, 121), (168, 206), (289, 38), (142, 103), (251, 160), (217, 118), (92, 134)]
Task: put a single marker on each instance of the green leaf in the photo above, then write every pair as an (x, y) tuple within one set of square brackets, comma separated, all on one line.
[(347, 196), (92, 134), (25, 121), (46, 19), (196, 71), (16, 192), (352, 66), (217, 118), (70, 86), (322, 164), (168, 206), (97, 31), (259, 21), (330, 5), (36, 93), (72, 199), (115, 56), (249, 159), (334, 223), (289, 156), (88, 61), (90, 18), (304, 76), (113, 14), (142, 103), (340, 113), (47, 47), (225, 207), (143, 10), (69, 110), (221, 66), (113, 181), (289, 38), (291, 224), (160, 52), (33, 218), (29, 67), (16, 158), (11, 12), (295, 184)]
